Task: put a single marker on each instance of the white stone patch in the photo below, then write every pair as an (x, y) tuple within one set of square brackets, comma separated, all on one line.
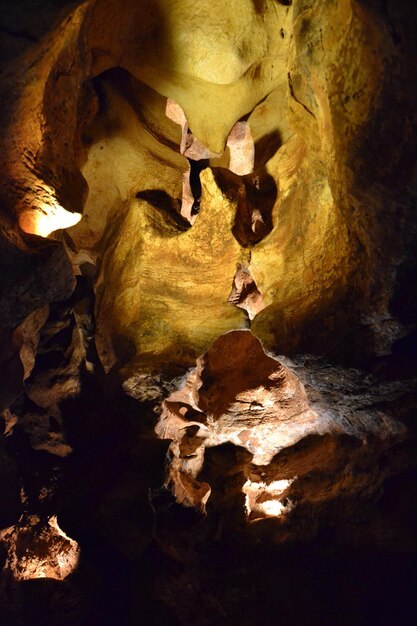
[(264, 500)]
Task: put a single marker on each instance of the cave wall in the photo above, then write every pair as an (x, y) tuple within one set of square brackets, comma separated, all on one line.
[(323, 88), (207, 302)]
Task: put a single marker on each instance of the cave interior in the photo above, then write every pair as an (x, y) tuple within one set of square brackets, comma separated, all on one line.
[(208, 312)]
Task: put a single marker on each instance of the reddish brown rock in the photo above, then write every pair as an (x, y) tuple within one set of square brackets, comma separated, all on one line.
[(278, 409), (39, 550)]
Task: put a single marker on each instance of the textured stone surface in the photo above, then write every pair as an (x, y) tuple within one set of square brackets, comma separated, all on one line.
[(34, 273), (237, 394), (164, 309), (307, 112), (39, 551), (293, 233)]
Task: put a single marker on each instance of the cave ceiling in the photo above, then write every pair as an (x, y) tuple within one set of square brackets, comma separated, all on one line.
[(208, 257)]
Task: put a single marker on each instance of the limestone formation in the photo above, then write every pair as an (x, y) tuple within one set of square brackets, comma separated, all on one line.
[(207, 312), (237, 394), (45, 551)]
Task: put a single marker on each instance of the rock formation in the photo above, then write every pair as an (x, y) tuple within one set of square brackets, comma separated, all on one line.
[(208, 312)]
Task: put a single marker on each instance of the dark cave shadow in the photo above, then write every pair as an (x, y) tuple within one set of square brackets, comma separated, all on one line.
[(128, 87), (115, 464), (166, 205), (256, 195), (196, 167), (265, 148), (259, 6)]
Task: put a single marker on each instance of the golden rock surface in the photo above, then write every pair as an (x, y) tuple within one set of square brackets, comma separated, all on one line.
[(165, 291), (244, 268), (314, 224)]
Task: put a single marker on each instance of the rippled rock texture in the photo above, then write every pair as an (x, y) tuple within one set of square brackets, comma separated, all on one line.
[(207, 312)]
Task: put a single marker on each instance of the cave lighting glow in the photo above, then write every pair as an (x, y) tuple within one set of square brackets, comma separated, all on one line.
[(264, 500), (47, 217), (50, 554)]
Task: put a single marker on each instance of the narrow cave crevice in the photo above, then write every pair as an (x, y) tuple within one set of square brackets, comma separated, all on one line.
[(192, 189), (255, 196), (196, 167)]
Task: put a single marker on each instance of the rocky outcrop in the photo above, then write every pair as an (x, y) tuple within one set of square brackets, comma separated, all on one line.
[(301, 217), (215, 368), (39, 551), (314, 434)]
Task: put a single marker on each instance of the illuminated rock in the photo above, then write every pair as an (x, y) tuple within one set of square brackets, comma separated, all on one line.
[(239, 395), (249, 165), (37, 550), (166, 292), (46, 219), (264, 500), (245, 294), (274, 76)]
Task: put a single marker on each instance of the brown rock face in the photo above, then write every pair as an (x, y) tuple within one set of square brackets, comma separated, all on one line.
[(238, 395), (280, 117), (207, 310), (39, 551)]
